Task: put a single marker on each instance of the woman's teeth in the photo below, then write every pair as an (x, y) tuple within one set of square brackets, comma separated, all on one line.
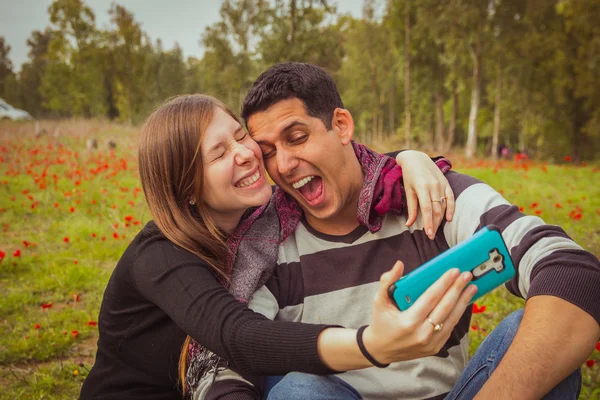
[(302, 182), (248, 181)]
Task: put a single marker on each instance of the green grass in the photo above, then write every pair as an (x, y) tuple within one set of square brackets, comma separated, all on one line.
[(102, 187)]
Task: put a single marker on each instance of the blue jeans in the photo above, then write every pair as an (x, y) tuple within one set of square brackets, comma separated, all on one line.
[(298, 385)]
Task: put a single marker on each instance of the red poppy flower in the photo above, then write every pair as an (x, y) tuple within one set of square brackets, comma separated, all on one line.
[(128, 218), (75, 296), (2, 255), (115, 235), (72, 209), (75, 333), (75, 262), (474, 327), (558, 205), (91, 323), (538, 212), (534, 205), (47, 305), (567, 158), (17, 253), (93, 235), (590, 363), (56, 205), (37, 326), (521, 209), (477, 309), (66, 239)]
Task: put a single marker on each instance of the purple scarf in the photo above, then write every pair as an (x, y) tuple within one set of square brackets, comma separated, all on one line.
[(254, 245)]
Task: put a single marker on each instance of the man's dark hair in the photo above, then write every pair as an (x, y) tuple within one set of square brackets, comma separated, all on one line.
[(308, 83)]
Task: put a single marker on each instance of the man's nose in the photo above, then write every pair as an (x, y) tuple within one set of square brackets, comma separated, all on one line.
[(286, 162)]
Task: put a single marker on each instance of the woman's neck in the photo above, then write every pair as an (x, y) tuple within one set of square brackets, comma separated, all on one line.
[(227, 222)]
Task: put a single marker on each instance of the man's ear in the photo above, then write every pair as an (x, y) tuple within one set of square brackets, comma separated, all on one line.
[(343, 125)]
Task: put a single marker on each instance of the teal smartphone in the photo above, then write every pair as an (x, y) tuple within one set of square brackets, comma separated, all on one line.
[(484, 255)]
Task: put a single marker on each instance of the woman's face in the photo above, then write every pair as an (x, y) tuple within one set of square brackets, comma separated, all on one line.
[(234, 173)]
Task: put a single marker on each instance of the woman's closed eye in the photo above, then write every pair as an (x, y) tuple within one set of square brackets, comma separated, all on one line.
[(218, 155), (241, 135)]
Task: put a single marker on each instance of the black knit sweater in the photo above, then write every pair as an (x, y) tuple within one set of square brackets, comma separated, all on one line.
[(156, 295)]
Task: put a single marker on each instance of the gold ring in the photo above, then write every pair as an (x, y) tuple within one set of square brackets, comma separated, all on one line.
[(436, 327), (442, 200)]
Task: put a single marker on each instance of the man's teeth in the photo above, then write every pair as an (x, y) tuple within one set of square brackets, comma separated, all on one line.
[(249, 181), (302, 182)]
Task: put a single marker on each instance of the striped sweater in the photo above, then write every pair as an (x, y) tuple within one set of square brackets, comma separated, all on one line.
[(332, 280)]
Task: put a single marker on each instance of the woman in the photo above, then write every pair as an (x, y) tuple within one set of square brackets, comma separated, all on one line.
[(200, 172)]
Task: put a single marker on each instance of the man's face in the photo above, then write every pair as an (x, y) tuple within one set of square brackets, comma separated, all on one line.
[(306, 160)]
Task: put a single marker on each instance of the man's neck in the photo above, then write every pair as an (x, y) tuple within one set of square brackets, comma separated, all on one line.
[(338, 225)]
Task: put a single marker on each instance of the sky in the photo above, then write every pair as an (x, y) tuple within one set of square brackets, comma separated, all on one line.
[(181, 21)]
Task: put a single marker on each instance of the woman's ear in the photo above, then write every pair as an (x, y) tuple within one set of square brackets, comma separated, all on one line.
[(343, 125)]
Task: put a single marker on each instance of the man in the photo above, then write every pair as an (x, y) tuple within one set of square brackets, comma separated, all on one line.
[(328, 269)]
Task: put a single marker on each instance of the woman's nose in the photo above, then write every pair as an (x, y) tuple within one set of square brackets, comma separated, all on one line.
[(242, 154)]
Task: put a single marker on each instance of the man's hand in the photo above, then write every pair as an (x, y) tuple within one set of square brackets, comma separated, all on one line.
[(406, 335), (425, 184)]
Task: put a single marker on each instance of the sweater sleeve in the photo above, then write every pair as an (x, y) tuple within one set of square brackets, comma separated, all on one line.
[(185, 289), (547, 260)]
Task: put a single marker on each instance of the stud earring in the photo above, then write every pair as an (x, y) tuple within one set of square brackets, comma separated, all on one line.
[(192, 202)]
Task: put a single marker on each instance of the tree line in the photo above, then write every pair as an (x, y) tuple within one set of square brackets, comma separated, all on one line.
[(432, 73)]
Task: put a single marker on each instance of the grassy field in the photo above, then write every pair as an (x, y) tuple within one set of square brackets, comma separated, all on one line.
[(67, 213)]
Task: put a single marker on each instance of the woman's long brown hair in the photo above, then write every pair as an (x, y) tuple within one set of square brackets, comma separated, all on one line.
[(171, 171)]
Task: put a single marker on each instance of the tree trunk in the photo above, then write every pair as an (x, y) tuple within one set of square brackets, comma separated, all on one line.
[(380, 122), (452, 127), (471, 147), (292, 24), (407, 134), (393, 106), (496, 133), (522, 133), (431, 124), (439, 120)]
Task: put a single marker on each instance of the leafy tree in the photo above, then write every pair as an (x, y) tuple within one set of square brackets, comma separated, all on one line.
[(6, 66), (73, 83)]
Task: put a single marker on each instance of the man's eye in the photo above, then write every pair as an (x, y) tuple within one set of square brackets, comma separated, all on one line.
[(298, 139), (267, 153)]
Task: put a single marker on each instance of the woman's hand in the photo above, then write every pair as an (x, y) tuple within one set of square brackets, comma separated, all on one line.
[(406, 335), (425, 184)]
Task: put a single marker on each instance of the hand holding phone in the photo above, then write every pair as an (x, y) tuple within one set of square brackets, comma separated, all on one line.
[(484, 255), (400, 336)]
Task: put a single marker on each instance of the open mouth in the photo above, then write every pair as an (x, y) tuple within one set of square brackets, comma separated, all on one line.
[(311, 188), (251, 181)]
